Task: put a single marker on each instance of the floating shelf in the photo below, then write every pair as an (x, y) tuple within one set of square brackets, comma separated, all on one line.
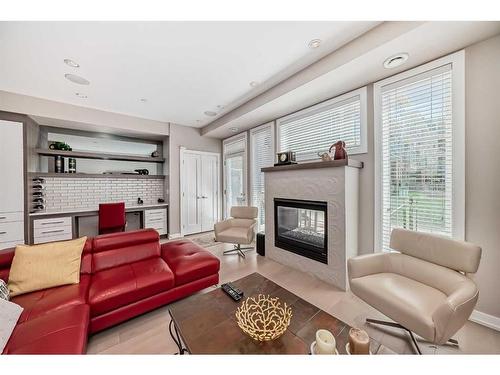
[(95, 175), (99, 155)]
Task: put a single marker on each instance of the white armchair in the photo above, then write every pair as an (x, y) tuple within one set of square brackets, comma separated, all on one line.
[(238, 230)]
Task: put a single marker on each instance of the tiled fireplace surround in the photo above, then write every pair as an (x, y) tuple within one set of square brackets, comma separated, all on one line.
[(338, 186), (65, 194)]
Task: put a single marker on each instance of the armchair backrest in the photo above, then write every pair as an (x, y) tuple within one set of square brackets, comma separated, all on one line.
[(457, 255), (244, 212)]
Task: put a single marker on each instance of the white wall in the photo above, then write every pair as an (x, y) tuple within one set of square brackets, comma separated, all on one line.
[(183, 136)]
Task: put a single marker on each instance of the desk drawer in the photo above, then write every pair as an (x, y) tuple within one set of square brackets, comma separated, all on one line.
[(12, 231), (56, 222), (52, 237), (54, 229), (153, 214), (7, 217)]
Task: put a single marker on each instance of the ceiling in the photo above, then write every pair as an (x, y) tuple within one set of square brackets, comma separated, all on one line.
[(356, 65), (182, 69)]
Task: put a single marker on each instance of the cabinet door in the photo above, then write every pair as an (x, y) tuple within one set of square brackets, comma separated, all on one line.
[(11, 166), (209, 182)]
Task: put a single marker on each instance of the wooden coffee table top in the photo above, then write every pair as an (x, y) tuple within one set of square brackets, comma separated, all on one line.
[(207, 324)]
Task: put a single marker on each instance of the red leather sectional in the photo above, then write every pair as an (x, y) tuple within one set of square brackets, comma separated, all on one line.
[(122, 275)]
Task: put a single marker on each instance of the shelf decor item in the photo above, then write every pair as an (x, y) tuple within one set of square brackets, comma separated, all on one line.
[(325, 342), (359, 342), (72, 165), (58, 164), (340, 151), (263, 318), (285, 158)]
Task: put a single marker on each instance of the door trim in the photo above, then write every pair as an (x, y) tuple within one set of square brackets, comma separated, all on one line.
[(182, 182)]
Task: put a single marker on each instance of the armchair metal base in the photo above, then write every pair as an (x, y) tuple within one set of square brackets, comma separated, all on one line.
[(238, 250), (412, 336)]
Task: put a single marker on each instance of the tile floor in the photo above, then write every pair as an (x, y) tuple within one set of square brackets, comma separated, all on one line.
[(148, 333)]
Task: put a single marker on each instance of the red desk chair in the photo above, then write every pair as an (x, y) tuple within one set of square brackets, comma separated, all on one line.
[(112, 217)]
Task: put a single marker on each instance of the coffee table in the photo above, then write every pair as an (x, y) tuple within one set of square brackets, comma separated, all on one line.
[(206, 324)]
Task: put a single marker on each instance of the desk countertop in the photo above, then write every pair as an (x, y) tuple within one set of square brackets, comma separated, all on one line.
[(90, 211)]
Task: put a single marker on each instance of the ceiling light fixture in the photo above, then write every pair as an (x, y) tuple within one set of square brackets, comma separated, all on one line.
[(254, 83), (234, 130), (143, 100), (76, 79), (315, 43), (71, 63), (396, 60), (210, 113)]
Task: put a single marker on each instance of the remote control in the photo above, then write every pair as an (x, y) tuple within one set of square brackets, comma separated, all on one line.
[(233, 287), (230, 291)]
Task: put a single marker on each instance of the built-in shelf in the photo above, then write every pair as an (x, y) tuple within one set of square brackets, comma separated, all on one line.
[(99, 155), (94, 175)]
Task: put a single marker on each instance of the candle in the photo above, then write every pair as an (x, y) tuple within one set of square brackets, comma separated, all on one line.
[(325, 342), (359, 342)]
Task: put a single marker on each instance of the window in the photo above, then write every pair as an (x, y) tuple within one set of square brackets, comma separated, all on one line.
[(261, 155), (315, 129), (235, 172), (419, 172)]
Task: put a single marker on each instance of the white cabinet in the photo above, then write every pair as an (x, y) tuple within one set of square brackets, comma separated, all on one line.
[(12, 185), (53, 229), (156, 219)]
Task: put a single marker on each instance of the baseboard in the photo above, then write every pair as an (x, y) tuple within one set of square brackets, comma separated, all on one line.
[(173, 236), (487, 320)]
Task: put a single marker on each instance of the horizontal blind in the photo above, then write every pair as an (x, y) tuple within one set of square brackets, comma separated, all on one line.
[(261, 156), (417, 154), (235, 146), (314, 130)]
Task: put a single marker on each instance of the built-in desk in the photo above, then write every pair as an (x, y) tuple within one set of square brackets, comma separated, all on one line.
[(63, 225)]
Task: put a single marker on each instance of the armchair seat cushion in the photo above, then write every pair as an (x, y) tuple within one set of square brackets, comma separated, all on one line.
[(122, 285), (402, 299), (237, 235), (188, 261)]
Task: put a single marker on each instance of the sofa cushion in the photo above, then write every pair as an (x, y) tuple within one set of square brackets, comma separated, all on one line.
[(62, 332), (188, 261), (44, 266), (49, 300), (404, 300), (117, 249), (120, 286)]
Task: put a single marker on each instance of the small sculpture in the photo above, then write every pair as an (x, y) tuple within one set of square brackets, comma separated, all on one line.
[(325, 156), (340, 152)]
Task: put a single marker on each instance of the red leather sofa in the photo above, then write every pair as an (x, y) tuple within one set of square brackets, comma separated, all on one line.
[(122, 275)]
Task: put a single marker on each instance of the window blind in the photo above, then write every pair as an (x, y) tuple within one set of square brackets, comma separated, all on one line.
[(417, 154), (315, 129), (235, 146), (262, 155)]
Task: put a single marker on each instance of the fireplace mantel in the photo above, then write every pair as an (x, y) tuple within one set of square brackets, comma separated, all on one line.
[(337, 184)]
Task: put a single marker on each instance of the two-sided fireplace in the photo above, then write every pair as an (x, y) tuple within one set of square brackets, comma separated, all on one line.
[(300, 226)]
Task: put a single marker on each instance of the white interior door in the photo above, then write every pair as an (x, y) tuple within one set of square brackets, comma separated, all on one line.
[(199, 191), (209, 192), (191, 167)]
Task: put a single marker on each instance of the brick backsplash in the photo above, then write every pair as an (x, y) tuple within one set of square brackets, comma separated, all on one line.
[(63, 194)]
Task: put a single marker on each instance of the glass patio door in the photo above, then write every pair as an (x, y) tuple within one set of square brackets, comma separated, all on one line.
[(235, 174)]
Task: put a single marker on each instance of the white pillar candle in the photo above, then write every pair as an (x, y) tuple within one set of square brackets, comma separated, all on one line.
[(325, 342)]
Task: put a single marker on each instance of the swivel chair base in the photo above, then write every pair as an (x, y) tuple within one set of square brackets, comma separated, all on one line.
[(237, 250)]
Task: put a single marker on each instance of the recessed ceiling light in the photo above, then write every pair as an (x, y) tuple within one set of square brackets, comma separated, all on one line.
[(143, 100), (396, 60), (234, 130), (210, 113), (220, 107), (315, 43), (254, 83), (76, 79), (71, 63), (80, 95)]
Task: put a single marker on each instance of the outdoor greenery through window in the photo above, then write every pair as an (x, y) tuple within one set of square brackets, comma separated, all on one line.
[(416, 118), (315, 129)]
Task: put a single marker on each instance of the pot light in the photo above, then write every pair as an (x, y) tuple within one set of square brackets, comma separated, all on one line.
[(143, 100), (254, 83), (315, 43), (210, 113), (71, 63), (395, 61), (76, 79), (234, 130)]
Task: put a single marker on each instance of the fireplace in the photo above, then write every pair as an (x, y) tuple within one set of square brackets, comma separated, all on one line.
[(300, 226)]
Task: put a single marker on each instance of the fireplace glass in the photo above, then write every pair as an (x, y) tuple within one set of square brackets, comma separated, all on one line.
[(301, 227)]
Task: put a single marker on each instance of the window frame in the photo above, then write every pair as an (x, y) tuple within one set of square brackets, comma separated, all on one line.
[(235, 138), (457, 62), (361, 92)]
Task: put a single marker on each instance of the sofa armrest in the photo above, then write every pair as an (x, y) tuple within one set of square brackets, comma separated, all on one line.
[(455, 310), (251, 231), (365, 265)]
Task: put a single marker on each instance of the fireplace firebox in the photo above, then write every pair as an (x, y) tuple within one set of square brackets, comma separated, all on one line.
[(300, 226)]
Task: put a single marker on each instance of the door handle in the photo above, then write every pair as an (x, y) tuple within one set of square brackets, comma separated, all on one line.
[(204, 197)]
